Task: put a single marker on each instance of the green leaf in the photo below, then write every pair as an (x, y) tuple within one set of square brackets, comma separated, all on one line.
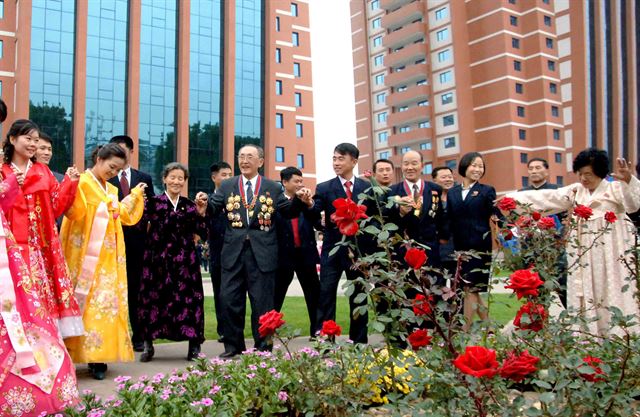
[(542, 384), (377, 326), (371, 229), (360, 298), (547, 397)]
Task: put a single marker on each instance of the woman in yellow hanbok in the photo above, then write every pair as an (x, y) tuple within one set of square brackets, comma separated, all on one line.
[(93, 246)]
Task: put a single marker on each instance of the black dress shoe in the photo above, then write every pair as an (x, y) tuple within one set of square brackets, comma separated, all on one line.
[(221, 339), (98, 370), (194, 350), (148, 353), (138, 346), (228, 354)]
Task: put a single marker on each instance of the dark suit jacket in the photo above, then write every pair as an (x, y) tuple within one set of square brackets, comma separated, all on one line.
[(286, 248), (469, 218), (135, 235), (217, 226), (263, 243), (326, 193), (545, 186)]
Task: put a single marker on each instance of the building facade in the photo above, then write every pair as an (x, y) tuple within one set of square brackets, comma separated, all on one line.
[(188, 80), (512, 79)]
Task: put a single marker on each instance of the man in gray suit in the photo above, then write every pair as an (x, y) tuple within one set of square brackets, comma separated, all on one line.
[(249, 255)]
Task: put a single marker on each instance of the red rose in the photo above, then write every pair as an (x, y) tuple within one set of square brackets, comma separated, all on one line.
[(422, 305), (592, 362), (347, 215), (419, 338), (269, 323), (507, 234), (477, 361), (536, 314), (330, 328), (610, 216), (536, 216), (524, 282), (507, 204), (367, 173), (583, 212), (546, 223), (517, 367), (523, 222), (415, 258)]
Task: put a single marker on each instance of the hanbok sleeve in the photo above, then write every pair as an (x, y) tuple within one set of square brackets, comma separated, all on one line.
[(78, 207), (628, 194), (547, 201), (201, 226), (62, 194), (132, 207), (8, 192)]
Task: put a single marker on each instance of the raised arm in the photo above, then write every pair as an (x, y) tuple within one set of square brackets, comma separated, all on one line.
[(547, 201)]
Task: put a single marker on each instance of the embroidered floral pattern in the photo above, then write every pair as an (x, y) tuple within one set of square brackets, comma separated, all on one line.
[(19, 401), (68, 391)]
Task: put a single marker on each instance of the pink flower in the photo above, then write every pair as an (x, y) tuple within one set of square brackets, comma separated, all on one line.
[(207, 402), (283, 396)]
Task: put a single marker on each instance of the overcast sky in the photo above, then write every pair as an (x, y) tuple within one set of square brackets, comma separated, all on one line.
[(333, 97)]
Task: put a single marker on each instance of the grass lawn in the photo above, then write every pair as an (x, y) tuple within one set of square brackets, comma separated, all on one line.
[(503, 308)]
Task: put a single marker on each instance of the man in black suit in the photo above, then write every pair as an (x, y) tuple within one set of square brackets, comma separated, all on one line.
[(250, 246), (297, 251), (220, 171), (344, 185), (44, 153), (134, 236)]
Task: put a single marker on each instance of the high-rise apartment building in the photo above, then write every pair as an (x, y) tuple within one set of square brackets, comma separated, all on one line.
[(512, 79), (188, 80)]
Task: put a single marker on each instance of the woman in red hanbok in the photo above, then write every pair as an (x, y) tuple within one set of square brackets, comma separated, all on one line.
[(36, 372), (39, 201)]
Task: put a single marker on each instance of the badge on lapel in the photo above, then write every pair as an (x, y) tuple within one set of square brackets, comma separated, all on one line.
[(266, 212), (233, 205)]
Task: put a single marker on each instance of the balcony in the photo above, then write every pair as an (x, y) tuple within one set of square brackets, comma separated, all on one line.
[(407, 55), (408, 138), (403, 15), (411, 95), (409, 75), (406, 35), (412, 115), (393, 4)]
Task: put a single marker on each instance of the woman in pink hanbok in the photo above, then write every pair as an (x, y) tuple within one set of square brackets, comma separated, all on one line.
[(36, 372)]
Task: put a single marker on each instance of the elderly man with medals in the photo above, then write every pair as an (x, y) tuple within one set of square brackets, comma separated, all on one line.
[(250, 250)]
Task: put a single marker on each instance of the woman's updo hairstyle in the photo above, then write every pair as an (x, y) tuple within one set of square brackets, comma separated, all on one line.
[(110, 150), (171, 166), (18, 128)]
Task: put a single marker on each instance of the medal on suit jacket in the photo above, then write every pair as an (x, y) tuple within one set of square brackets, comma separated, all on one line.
[(266, 211), (233, 204), (409, 192)]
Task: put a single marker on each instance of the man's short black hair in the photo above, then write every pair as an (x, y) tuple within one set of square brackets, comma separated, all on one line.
[(435, 171), (381, 161), (128, 142), (466, 160), (3, 111), (218, 166), (544, 162), (347, 149), (45, 137), (288, 172), (596, 158)]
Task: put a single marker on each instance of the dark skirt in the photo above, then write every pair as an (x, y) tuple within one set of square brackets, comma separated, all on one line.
[(475, 273)]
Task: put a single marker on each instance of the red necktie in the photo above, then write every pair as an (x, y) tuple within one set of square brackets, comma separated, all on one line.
[(296, 233), (124, 184), (347, 188)]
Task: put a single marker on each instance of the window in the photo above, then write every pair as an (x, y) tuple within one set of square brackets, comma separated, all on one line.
[(442, 35), (425, 146), (277, 24), (442, 13), (452, 164), (554, 111), (547, 21), (559, 181), (279, 121), (298, 99), (278, 87), (553, 88), (279, 154), (300, 161), (375, 4), (446, 98), (379, 79), (1, 48), (384, 155), (405, 149), (545, 1), (296, 69), (421, 82), (278, 55), (512, 1), (383, 137), (376, 23), (549, 43), (401, 88), (377, 41), (515, 43), (517, 66), (449, 142), (380, 98), (299, 130), (519, 88), (444, 55), (295, 39), (525, 181), (421, 61), (424, 125), (513, 20), (1, 9), (551, 65), (520, 111), (445, 77), (556, 134), (558, 157), (524, 158), (404, 129), (522, 134), (382, 117), (423, 103), (399, 69), (378, 60), (448, 120), (403, 108), (428, 169), (294, 9)]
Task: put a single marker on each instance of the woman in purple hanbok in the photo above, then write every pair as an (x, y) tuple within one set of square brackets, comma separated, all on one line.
[(171, 298)]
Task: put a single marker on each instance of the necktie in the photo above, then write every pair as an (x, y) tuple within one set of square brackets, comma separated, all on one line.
[(124, 184), (249, 199), (416, 194), (296, 233), (347, 188)]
